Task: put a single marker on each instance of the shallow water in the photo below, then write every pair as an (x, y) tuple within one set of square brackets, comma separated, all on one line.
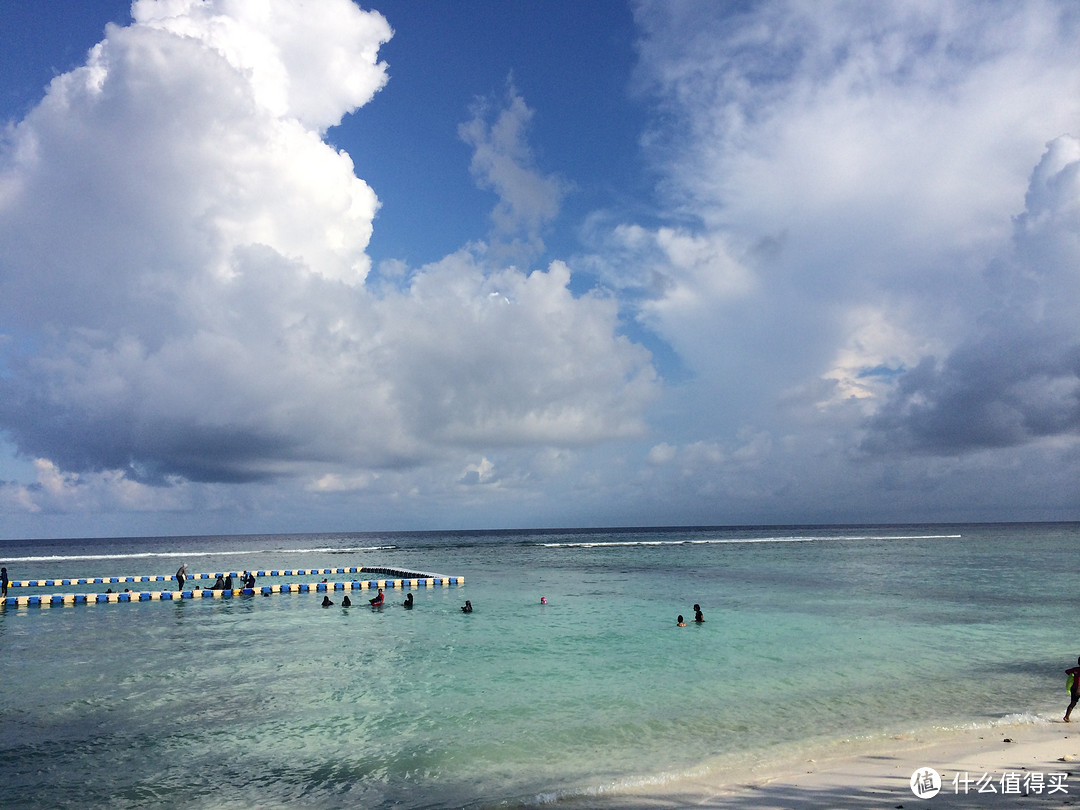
[(813, 636)]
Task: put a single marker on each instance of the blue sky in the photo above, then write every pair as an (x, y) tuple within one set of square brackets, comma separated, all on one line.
[(271, 267)]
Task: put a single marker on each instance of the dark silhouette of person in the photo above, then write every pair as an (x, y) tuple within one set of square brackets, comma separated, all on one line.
[(698, 615), (681, 623), (326, 602), (408, 601), (181, 575), (1074, 689), (467, 607), (346, 602), (3, 581)]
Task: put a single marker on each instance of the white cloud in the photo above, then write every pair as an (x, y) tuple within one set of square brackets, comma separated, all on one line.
[(503, 162), (852, 170), (58, 491), (863, 261), (182, 267), (311, 63)]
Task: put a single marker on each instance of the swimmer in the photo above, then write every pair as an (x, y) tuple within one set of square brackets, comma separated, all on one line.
[(346, 602), (699, 617), (543, 600), (378, 600), (467, 607), (408, 601), (326, 602), (681, 622)]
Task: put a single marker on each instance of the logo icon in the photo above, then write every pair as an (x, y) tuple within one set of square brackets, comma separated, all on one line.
[(925, 783)]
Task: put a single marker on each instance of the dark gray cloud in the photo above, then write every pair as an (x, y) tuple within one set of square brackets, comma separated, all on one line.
[(1017, 378)]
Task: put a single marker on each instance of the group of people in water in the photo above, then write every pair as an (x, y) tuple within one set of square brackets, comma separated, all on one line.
[(376, 601), (224, 582), (247, 580), (699, 617)]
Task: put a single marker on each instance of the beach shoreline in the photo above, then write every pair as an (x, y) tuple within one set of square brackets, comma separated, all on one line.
[(1004, 764)]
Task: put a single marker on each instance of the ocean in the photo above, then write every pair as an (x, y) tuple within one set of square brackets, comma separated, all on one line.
[(816, 641)]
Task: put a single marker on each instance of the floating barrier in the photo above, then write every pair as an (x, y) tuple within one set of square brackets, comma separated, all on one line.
[(296, 572), (416, 580)]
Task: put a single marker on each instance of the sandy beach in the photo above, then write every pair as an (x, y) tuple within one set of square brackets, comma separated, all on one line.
[(1019, 765)]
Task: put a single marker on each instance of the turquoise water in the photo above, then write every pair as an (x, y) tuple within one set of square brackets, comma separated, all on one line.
[(814, 638)]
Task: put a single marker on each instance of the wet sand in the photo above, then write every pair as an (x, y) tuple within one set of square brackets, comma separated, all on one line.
[(1021, 765)]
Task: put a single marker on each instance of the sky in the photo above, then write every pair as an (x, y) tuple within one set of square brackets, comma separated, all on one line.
[(315, 267)]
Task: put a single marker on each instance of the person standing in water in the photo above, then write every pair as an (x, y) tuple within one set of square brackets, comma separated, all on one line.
[(1074, 688), (181, 575), (699, 617)]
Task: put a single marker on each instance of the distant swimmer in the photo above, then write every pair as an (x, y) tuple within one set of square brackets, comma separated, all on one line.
[(1072, 676), (681, 623), (543, 600), (699, 617), (346, 602), (326, 602), (467, 607), (228, 582), (181, 575), (378, 600), (219, 584), (407, 604)]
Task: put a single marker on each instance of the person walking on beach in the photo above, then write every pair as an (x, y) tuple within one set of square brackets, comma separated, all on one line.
[(181, 575), (1073, 674)]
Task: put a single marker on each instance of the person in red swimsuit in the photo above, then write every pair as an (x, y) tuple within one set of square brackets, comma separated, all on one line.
[(378, 600)]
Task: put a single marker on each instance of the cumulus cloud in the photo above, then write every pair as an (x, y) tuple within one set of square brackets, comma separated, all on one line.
[(182, 268), (1017, 378), (842, 175)]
